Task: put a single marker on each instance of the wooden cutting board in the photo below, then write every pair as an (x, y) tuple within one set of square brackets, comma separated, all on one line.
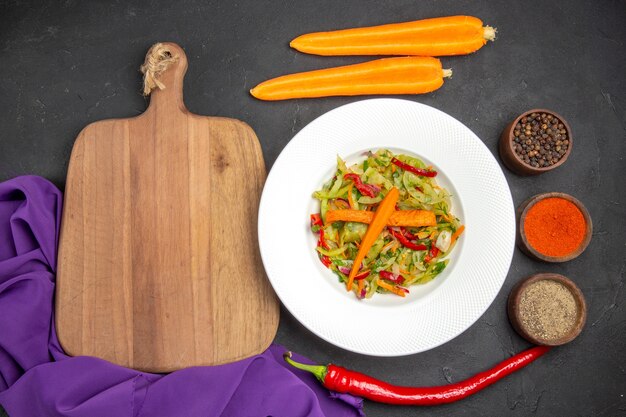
[(159, 265)]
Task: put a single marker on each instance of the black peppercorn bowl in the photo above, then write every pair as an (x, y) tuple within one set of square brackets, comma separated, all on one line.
[(514, 162)]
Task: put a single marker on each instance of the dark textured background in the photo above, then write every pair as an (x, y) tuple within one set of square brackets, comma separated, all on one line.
[(66, 64)]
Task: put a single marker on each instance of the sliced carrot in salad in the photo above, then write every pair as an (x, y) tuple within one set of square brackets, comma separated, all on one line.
[(407, 218), (378, 223)]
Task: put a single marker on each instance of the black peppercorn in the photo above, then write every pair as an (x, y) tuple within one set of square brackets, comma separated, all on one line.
[(540, 139)]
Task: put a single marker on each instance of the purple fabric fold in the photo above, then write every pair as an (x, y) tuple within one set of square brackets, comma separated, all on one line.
[(38, 379)]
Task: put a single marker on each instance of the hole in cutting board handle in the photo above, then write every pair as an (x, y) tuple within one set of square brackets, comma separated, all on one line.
[(171, 97)]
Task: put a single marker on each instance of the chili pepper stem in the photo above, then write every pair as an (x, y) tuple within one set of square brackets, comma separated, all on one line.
[(318, 370)]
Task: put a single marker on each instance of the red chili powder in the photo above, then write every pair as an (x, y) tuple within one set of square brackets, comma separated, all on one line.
[(554, 226)]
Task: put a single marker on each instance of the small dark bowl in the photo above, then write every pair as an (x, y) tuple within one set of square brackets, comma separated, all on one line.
[(522, 241), (510, 158), (516, 296)]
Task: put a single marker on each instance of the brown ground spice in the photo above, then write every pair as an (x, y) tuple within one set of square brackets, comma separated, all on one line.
[(548, 310)]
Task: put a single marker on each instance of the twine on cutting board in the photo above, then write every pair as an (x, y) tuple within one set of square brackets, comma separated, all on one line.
[(158, 59)]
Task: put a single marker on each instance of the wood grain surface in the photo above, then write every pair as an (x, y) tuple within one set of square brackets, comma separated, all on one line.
[(159, 266)]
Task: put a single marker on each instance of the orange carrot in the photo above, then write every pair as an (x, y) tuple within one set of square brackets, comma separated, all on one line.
[(358, 216), (379, 222), (442, 36), (456, 234), (413, 218), (391, 288), (407, 218), (404, 75)]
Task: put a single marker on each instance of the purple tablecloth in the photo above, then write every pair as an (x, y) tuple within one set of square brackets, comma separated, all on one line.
[(38, 379)]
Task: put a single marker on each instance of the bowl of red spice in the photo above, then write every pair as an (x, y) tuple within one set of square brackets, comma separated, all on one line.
[(553, 227), (537, 141), (547, 309)]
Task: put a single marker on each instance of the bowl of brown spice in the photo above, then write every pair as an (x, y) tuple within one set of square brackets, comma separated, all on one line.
[(537, 141), (553, 227), (547, 309)]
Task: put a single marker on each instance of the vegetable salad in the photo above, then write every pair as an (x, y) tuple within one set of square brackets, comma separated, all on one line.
[(419, 235)]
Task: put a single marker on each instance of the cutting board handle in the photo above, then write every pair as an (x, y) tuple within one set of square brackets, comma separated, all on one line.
[(170, 98)]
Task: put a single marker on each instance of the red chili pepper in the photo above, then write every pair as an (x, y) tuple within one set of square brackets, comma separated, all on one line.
[(389, 276), (342, 380), (365, 189), (405, 242), (417, 171)]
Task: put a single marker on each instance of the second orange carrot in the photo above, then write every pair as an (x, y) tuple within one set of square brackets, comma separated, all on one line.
[(402, 75)]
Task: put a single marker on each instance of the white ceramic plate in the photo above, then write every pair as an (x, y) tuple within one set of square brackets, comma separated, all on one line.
[(387, 325)]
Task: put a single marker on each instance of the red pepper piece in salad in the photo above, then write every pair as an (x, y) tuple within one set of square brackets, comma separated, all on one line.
[(389, 276), (434, 251), (417, 171), (322, 241), (407, 234), (406, 242), (317, 226), (316, 222), (367, 190)]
